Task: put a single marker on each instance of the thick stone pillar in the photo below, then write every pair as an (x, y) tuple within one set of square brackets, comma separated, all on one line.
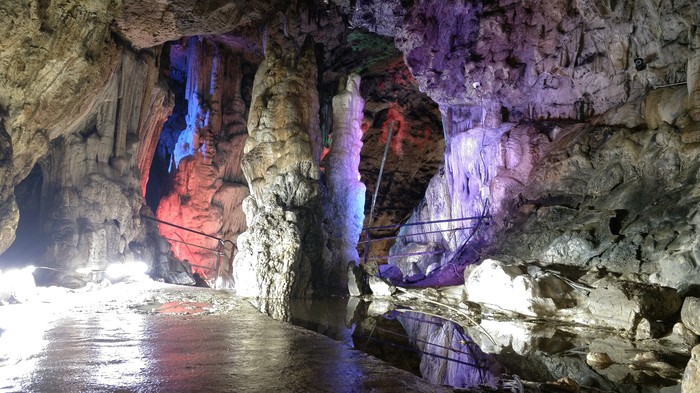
[(344, 213), (281, 247)]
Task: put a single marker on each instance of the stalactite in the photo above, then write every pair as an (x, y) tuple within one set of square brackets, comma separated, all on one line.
[(160, 105)]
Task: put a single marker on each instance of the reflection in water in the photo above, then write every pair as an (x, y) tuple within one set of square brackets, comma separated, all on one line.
[(434, 348), (449, 356)]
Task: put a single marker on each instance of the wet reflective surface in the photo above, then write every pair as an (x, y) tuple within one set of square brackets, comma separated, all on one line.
[(145, 338), (436, 349), (503, 355), (129, 342)]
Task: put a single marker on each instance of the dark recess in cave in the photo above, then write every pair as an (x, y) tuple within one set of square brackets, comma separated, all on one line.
[(27, 247)]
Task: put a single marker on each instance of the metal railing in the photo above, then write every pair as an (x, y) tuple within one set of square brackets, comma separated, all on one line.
[(368, 241), (219, 251)]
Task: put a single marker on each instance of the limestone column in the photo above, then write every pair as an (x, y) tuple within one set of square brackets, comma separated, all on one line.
[(280, 251), (344, 213)]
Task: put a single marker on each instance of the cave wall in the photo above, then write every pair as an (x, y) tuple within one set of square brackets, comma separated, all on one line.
[(491, 66), (56, 58)]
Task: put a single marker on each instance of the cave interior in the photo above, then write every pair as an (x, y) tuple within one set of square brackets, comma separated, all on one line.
[(518, 166)]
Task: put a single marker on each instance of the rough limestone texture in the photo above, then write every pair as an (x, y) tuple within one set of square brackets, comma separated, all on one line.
[(611, 197), (490, 64), (693, 72), (91, 198), (511, 288), (280, 250), (344, 210), (690, 314), (208, 187), (622, 305), (146, 23), (9, 214), (55, 58), (691, 377), (536, 59)]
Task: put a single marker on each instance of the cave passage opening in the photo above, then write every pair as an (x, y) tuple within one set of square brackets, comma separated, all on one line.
[(29, 245)]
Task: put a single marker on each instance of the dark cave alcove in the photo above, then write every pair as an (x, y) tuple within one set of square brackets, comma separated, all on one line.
[(27, 248)]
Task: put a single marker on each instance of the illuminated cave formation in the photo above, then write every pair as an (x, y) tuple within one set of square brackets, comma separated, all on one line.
[(547, 149)]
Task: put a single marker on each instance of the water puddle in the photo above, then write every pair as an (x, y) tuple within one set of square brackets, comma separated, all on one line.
[(498, 354)]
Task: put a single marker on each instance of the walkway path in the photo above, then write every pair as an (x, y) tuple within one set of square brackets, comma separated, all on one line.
[(123, 339)]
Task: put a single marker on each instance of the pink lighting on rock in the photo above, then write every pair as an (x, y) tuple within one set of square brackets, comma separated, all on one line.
[(207, 186), (395, 117)]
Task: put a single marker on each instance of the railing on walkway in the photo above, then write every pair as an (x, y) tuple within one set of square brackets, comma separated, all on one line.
[(219, 251), (368, 241)]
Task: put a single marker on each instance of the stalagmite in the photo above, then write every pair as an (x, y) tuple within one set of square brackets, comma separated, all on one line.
[(281, 247), (344, 212)]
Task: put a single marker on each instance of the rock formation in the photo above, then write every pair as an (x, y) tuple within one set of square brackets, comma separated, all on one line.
[(570, 133), (344, 210), (56, 57), (91, 197), (207, 189), (484, 83), (281, 249)]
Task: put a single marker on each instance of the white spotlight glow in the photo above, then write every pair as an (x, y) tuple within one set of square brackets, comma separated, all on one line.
[(119, 271), (84, 270), (17, 285)]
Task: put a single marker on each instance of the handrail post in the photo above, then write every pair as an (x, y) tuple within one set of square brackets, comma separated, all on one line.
[(366, 246), (219, 248)]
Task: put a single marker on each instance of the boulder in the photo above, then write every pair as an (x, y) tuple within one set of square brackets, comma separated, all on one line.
[(691, 377), (623, 304), (356, 280), (681, 337), (381, 287), (647, 329), (510, 288), (690, 314)]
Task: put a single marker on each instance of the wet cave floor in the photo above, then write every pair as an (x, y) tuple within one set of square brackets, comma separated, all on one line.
[(153, 337)]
